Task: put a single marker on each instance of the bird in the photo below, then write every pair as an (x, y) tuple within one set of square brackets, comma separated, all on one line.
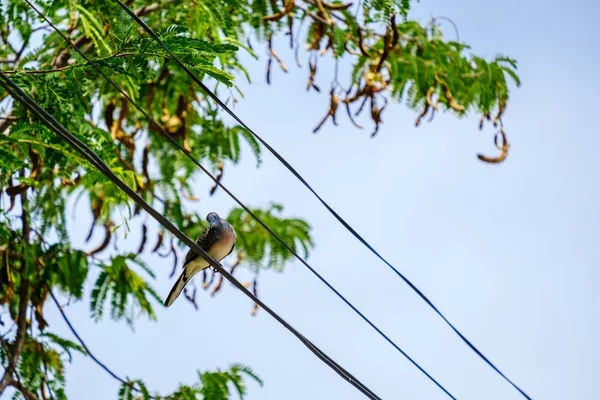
[(218, 240)]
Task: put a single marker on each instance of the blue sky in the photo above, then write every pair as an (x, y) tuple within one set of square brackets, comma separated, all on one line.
[(509, 253)]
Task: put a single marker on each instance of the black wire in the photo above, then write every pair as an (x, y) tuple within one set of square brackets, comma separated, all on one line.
[(82, 343), (301, 179), (93, 158), (269, 230)]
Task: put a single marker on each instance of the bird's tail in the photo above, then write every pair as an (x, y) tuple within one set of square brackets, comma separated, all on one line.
[(183, 280)]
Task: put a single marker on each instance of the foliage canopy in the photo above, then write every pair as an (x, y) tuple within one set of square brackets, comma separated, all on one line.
[(40, 177)]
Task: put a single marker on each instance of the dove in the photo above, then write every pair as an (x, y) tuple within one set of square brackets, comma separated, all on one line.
[(218, 240)]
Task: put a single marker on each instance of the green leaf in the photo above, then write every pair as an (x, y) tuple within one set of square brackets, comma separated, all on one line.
[(122, 287), (93, 28), (261, 249), (339, 41), (65, 344)]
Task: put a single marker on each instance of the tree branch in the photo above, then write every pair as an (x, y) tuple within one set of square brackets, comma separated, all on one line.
[(28, 395), (5, 123), (36, 71), (145, 10), (13, 359)]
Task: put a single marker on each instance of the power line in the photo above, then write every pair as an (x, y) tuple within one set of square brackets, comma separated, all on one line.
[(269, 230), (327, 206), (18, 94), (92, 356)]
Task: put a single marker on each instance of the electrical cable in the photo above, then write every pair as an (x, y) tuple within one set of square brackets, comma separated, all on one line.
[(269, 230), (18, 94), (92, 356), (327, 206)]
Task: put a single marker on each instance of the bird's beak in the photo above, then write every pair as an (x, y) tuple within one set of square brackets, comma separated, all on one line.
[(211, 224)]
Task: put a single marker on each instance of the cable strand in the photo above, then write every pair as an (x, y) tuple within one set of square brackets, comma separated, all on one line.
[(240, 203), (92, 356), (18, 94), (323, 202)]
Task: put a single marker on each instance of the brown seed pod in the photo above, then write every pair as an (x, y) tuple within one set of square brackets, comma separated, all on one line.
[(288, 7), (504, 147), (174, 252), (255, 292), (217, 287), (144, 238), (452, 103), (158, 242), (219, 176), (107, 236), (311, 77), (206, 283), (361, 44), (333, 105), (274, 54), (191, 298), (336, 7)]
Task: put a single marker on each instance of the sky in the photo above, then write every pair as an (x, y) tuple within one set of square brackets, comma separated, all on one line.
[(507, 252)]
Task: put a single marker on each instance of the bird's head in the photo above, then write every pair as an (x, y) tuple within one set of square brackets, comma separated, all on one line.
[(213, 219)]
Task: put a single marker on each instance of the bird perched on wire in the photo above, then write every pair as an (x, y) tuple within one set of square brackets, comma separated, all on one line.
[(218, 240)]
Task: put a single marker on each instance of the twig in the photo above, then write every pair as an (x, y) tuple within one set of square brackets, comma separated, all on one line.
[(6, 121), (313, 16), (324, 12), (449, 20), (145, 10), (297, 42)]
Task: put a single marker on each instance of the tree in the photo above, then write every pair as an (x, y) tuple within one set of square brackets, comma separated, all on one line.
[(393, 57)]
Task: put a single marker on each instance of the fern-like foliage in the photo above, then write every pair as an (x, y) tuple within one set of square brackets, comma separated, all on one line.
[(260, 248), (124, 289), (42, 180), (50, 178), (382, 10), (211, 386), (41, 366), (66, 268)]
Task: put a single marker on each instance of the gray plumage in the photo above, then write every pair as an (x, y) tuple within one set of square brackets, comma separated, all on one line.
[(218, 240)]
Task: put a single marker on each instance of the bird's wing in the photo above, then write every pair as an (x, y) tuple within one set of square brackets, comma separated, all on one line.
[(230, 251), (193, 263), (234, 239), (205, 240)]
